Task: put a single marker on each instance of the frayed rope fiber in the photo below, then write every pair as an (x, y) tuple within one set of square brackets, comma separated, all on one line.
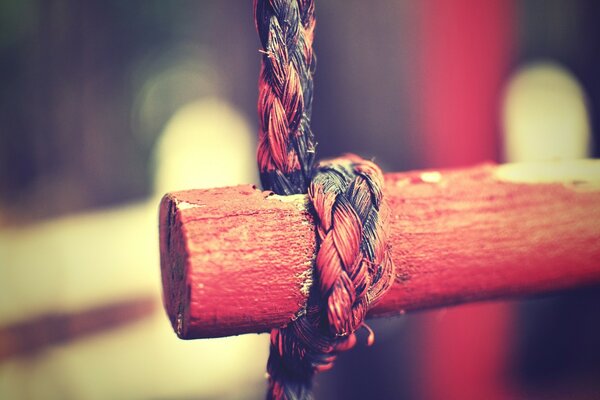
[(353, 268)]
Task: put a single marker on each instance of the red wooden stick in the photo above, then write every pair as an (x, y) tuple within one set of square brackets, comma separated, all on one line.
[(237, 260)]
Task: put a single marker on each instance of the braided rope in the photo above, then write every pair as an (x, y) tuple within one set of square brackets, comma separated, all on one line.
[(286, 145), (353, 268)]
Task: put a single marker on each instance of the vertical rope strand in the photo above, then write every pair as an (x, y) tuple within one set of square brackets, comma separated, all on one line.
[(353, 268), (286, 146)]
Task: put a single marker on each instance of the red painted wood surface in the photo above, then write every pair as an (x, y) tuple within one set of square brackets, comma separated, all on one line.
[(236, 260)]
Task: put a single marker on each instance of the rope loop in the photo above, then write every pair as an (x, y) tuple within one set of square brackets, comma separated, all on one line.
[(353, 263), (353, 269)]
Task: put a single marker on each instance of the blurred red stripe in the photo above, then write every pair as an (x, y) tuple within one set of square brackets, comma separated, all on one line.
[(466, 49)]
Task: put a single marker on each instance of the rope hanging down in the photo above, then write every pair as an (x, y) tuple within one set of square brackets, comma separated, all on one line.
[(353, 268), (286, 146)]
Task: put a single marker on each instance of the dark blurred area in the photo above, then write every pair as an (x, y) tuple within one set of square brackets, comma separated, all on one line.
[(88, 88), (74, 133)]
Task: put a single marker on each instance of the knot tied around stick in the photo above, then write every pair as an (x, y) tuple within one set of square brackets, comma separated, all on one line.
[(313, 266), (353, 269)]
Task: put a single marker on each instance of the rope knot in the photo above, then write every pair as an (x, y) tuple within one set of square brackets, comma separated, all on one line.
[(353, 269), (353, 266)]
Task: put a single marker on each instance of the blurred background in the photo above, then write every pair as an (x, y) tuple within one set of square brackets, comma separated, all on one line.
[(105, 105)]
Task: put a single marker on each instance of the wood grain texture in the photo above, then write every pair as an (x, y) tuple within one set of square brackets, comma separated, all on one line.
[(233, 261), (237, 260)]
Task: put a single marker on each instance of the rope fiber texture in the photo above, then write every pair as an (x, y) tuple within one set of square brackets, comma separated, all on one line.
[(286, 147), (353, 268)]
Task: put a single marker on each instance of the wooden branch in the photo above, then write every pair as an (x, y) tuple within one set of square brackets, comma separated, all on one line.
[(237, 260)]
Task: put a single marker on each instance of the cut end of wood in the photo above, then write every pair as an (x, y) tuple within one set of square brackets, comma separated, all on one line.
[(176, 288)]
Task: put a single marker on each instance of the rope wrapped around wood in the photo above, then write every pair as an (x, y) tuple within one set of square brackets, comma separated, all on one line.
[(353, 268)]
